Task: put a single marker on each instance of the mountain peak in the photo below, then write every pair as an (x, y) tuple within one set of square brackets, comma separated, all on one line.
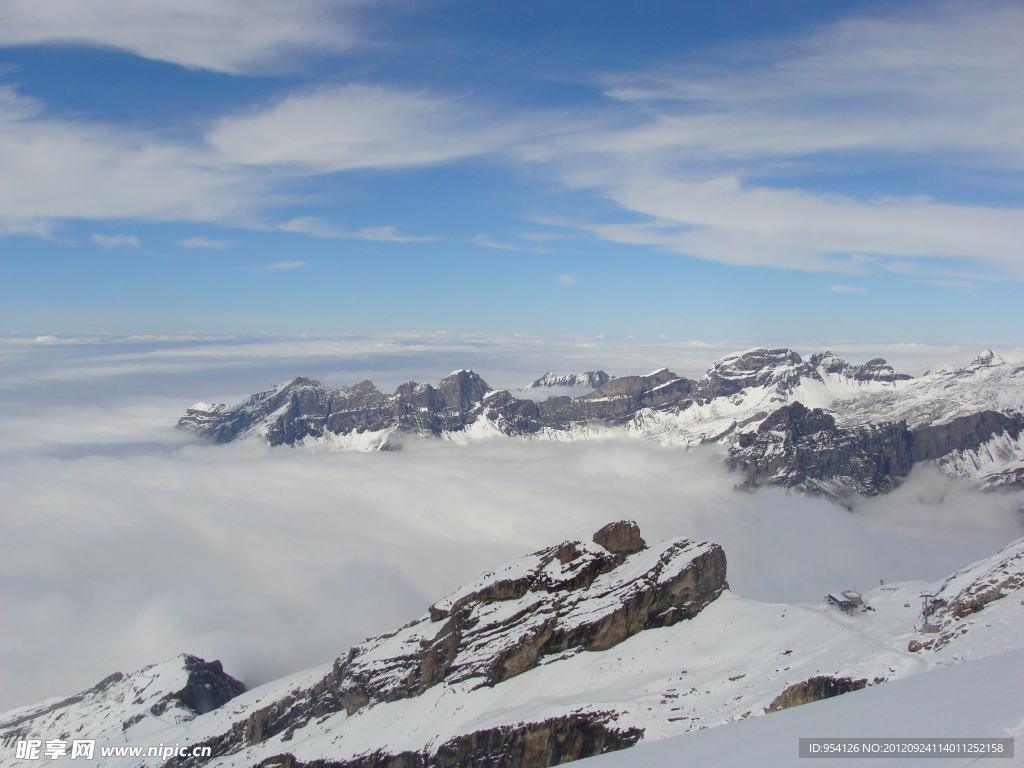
[(876, 369), (759, 358), (181, 688), (987, 359), (633, 385)]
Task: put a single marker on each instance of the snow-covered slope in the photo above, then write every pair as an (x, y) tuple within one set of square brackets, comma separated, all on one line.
[(588, 646), (977, 699), (739, 393), (125, 708), (553, 384), (590, 380)]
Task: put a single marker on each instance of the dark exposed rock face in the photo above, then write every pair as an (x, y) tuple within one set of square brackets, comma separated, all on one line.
[(566, 599), (964, 433), (814, 689), (534, 745), (537, 745), (797, 421), (551, 597), (208, 687), (796, 447), (621, 538), (303, 408)]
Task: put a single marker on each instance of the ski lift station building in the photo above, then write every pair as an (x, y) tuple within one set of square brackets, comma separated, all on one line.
[(847, 602)]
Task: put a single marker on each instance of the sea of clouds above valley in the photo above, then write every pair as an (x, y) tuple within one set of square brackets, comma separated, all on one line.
[(124, 542)]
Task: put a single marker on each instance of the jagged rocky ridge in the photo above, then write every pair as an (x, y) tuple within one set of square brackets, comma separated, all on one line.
[(858, 429), (581, 648)]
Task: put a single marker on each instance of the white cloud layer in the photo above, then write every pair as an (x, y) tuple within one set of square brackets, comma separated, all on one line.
[(227, 36), (123, 542), (227, 368)]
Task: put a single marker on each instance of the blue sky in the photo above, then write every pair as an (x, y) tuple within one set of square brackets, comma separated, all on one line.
[(741, 170)]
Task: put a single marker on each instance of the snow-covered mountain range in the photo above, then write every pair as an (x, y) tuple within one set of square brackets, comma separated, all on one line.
[(585, 647), (819, 425)]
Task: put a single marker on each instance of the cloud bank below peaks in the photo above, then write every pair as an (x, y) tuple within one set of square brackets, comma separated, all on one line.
[(125, 541)]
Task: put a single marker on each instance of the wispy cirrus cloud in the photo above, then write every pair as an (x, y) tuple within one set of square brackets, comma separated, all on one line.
[(943, 77), (114, 241), (389, 234), (53, 169), (280, 266), (712, 160), (727, 220), (364, 126), (205, 243), (312, 226), (227, 36), (317, 227), (488, 242), (847, 289)]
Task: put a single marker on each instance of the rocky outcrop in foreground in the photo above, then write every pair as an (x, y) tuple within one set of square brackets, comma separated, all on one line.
[(814, 689), (578, 596), (550, 742)]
